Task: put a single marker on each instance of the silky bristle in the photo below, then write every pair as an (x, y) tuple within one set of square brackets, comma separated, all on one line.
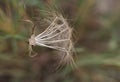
[(58, 35)]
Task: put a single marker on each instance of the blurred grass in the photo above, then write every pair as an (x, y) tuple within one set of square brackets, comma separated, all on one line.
[(97, 42)]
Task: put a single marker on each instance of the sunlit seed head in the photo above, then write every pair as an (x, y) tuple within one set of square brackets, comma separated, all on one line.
[(57, 36)]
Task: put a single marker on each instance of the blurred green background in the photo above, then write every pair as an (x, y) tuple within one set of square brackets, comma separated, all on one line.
[(96, 26)]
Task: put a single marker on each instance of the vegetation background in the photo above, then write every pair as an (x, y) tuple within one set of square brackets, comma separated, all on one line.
[(96, 26)]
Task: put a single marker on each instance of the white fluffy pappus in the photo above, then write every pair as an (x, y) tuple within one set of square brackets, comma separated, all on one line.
[(58, 36)]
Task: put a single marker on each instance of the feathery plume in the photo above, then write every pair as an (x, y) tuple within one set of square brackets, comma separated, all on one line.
[(58, 36)]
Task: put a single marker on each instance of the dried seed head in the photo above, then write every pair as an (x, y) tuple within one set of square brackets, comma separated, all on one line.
[(58, 35)]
